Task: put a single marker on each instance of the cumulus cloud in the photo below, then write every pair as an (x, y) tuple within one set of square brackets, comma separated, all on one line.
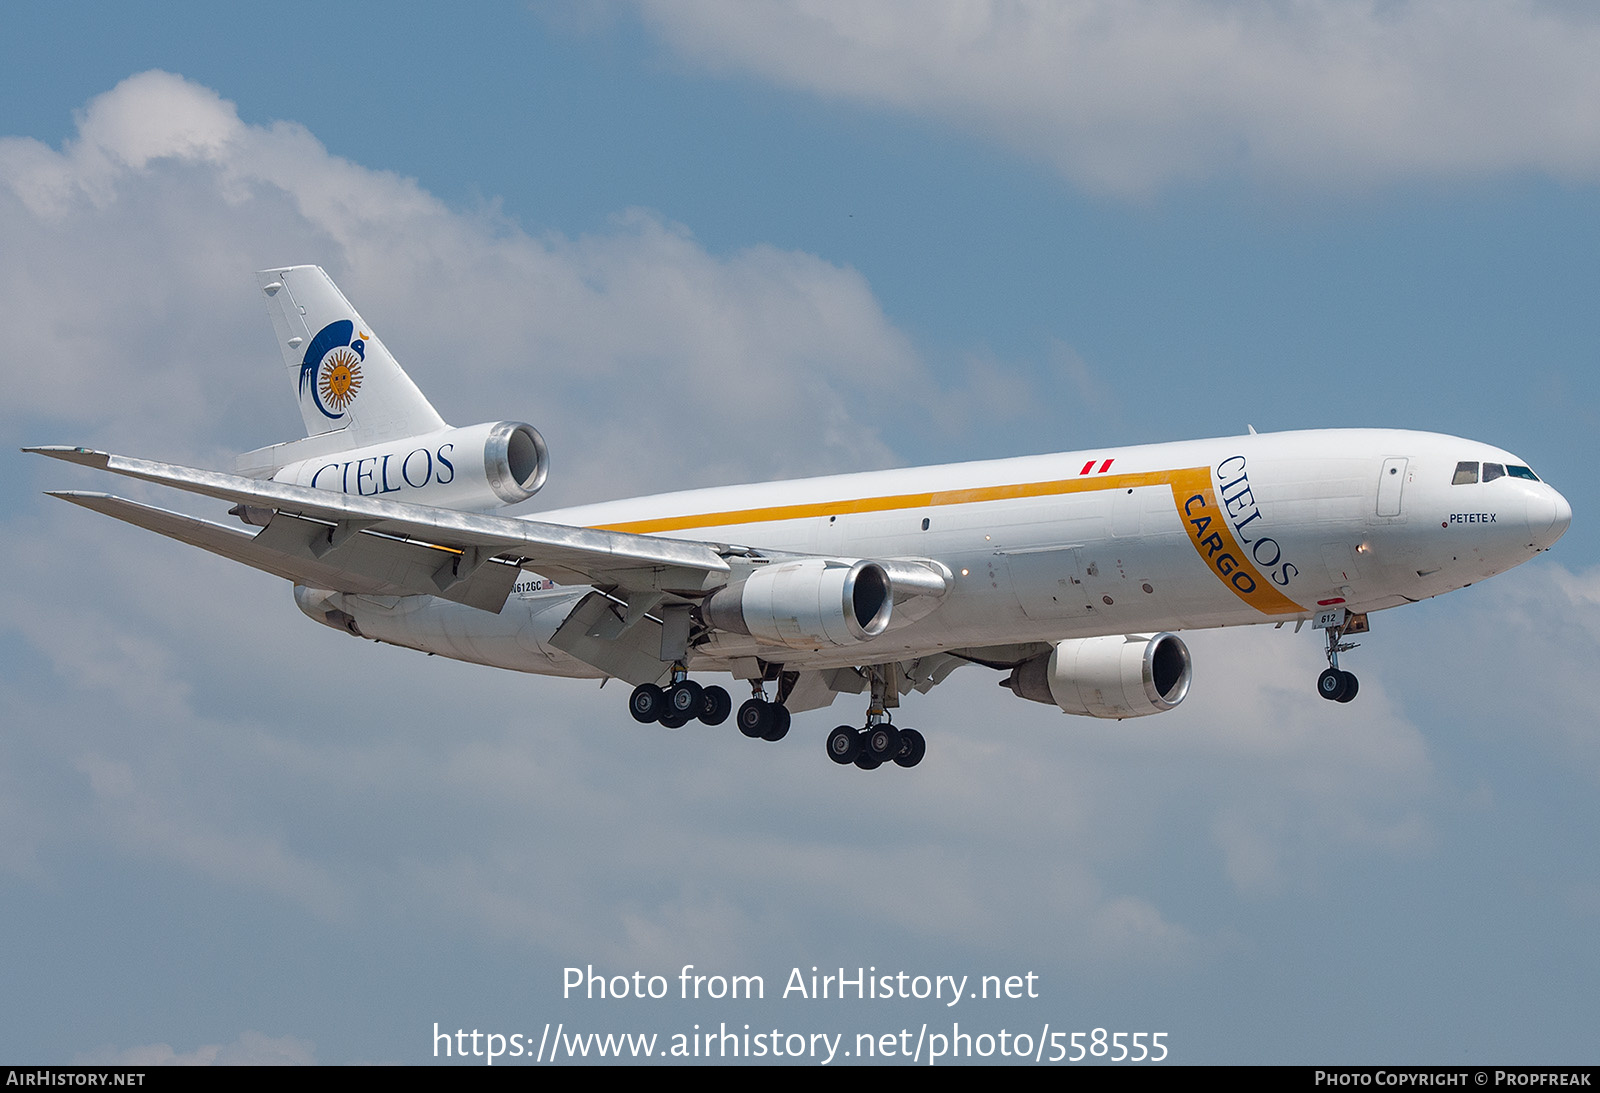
[(642, 356), (1538, 626), (1127, 97)]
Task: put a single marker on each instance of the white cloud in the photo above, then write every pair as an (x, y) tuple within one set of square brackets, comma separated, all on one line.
[(1539, 628), (250, 1049), (646, 360), (1126, 97)]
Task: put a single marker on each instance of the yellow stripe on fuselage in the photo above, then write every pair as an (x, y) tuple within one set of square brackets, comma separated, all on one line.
[(893, 502), (1215, 545)]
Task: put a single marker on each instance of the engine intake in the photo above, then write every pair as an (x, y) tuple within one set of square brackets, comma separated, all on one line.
[(1118, 676), (805, 604)]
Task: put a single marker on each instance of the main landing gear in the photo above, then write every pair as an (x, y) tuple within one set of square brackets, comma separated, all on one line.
[(868, 748), (760, 719), (685, 700), (1334, 684), (677, 705), (879, 742), (875, 745)]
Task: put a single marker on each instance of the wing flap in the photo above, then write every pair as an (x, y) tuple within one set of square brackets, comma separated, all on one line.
[(599, 633)]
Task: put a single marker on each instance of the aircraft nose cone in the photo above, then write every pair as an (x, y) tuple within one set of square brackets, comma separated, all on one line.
[(1549, 516)]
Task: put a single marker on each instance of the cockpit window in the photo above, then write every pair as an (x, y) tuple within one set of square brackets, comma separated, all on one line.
[(1521, 472), (1491, 471), (1466, 474)]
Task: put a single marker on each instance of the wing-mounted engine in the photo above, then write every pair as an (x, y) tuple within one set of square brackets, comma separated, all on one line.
[(475, 469), (808, 603), (1117, 676)]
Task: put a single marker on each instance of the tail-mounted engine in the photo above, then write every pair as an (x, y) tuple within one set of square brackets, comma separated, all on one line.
[(476, 469), (807, 604), (1117, 676)]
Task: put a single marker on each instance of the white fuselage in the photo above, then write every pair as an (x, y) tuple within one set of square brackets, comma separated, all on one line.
[(1193, 534)]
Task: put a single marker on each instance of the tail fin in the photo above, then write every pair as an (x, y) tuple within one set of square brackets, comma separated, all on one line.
[(351, 390)]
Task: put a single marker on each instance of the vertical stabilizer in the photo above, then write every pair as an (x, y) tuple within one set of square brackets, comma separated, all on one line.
[(344, 379)]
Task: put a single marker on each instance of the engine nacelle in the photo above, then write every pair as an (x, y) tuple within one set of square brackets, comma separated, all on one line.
[(805, 604), (1117, 676), (476, 469)]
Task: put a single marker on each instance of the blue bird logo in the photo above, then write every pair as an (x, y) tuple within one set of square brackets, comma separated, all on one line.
[(331, 369)]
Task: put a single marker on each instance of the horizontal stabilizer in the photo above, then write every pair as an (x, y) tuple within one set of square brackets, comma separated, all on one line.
[(301, 551)]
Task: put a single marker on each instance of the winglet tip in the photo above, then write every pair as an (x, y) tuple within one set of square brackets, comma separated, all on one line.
[(79, 497), (86, 456)]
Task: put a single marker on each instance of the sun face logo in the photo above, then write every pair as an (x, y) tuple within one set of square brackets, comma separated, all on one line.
[(339, 378), (330, 372)]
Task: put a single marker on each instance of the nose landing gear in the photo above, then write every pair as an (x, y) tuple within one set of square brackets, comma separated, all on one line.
[(1335, 684)]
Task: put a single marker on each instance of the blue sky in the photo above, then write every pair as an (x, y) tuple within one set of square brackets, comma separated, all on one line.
[(698, 243)]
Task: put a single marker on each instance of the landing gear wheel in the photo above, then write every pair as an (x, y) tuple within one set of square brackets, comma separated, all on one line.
[(647, 703), (844, 744), (883, 741), (912, 748), (753, 719), (715, 706), (672, 719), (867, 761), (686, 697), (779, 728), (1351, 686), (1332, 685)]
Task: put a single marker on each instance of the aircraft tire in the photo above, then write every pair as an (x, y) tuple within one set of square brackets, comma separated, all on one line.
[(686, 697), (754, 717), (913, 746), (1332, 684), (780, 723), (883, 741), (1351, 686), (715, 706), (673, 719), (844, 744), (867, 761), (647, 703)]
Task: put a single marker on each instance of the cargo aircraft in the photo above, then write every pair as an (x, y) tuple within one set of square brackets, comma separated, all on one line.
[(1069, 572)]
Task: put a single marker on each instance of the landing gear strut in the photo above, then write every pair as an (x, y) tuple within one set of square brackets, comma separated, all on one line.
[(1334, 684)]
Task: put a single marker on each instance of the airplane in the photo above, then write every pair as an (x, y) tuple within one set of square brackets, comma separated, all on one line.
[(1070, 572)]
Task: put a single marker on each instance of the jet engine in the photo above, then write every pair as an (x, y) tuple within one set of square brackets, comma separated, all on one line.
[(478, 468), (805, 604), (1117, 676)]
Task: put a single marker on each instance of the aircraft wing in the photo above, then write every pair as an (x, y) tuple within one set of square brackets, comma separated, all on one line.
[(362, 544)]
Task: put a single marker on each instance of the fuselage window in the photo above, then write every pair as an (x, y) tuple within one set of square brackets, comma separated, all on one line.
[(1466, 474), (1521, 472), (1491, 471)]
